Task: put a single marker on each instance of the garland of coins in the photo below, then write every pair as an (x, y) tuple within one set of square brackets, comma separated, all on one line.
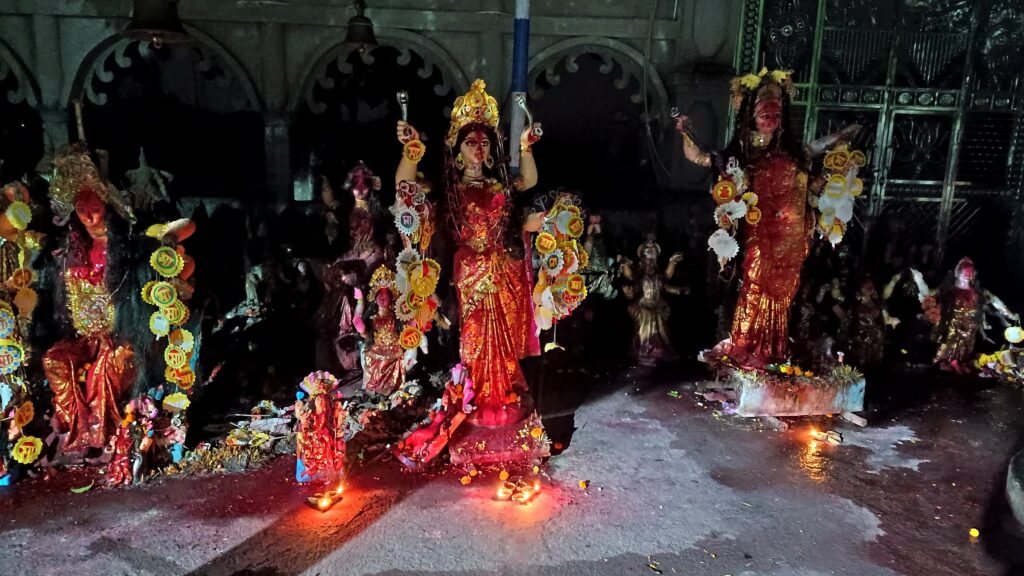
[(169, 295)]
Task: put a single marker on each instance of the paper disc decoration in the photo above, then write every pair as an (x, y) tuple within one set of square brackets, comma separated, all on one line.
[(24, 414), (423, 277), (159, 325), (414, 150), (176, 402), (403, 312), (723, 191), (176, 314), (576, 227), (575, 284), (175, 357), (183, 339), (553, 263), (166, 262), (406, 258), (184, 378), (147, 290), (11, 357), (545, 243), (163, 294), (407, 221), (414, 301), (19, 214), (410, 338), (7, 321), (27, 449)]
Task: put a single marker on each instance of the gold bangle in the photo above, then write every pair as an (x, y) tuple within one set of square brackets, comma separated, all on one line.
[(413, 151)]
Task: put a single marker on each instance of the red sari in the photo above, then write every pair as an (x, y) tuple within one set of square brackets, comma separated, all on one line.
[(775, 250), (89, 411), (494, 303)]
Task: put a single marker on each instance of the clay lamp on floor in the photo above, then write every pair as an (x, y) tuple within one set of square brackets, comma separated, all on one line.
[(325, 501)]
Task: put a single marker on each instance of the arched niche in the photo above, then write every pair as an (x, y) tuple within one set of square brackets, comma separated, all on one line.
[(346, 108), (608, 149), (192, 107), (100, 65), (21, 129), (621, 61), (432, 54)]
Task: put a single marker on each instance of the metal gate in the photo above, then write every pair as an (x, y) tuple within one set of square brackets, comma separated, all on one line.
[(939, 83)]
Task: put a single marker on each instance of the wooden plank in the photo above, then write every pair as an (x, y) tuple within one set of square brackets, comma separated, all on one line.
[(775, 423), (855, 419)]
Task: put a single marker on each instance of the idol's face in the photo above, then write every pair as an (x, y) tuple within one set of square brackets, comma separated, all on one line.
[(476, 147), (360, 186), (91, 211), (768, 108)]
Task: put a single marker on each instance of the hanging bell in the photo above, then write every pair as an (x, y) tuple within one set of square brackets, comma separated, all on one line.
[(360, 34), (156, 21)]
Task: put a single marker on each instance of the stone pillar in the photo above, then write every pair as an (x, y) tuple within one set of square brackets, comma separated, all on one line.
[(49, 71), (278, 155), (277, 120)]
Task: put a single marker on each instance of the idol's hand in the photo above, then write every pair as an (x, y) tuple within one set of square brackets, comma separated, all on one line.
[(534, 222), (676, 258), (681, 124), (531, 134), (406, 133)]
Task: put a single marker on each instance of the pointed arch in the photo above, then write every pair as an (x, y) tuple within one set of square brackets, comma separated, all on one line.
[(95, 67), (612, 52), (433, 54), (27, 90)]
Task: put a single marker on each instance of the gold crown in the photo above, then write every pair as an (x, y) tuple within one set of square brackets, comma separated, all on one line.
[(382, 277), (74, 171), (475, 107)]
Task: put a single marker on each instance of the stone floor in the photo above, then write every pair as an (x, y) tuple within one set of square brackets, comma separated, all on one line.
[(675, 488)]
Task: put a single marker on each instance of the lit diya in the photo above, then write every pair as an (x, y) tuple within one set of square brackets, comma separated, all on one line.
[(323, 502), (520, 492)]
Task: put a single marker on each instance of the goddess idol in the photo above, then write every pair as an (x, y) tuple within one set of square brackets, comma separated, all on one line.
[(105, 356), (763, 179), (492, 279)]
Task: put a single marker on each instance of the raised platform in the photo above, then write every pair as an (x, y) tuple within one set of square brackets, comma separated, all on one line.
[(772, 393), (519, 445)]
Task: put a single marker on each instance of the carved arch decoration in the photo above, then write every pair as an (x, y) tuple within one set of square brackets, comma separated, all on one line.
[(629, 61), (215, 62), (434, 56), (26, 90)]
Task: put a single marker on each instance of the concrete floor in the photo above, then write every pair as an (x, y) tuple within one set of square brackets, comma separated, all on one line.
[(675, 488)]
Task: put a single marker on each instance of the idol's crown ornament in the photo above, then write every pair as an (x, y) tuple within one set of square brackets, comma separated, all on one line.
[(475, 107), (750, 83), (74, 171), (382, 277)]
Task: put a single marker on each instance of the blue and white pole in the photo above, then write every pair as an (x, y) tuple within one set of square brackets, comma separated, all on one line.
[(520, 57)]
